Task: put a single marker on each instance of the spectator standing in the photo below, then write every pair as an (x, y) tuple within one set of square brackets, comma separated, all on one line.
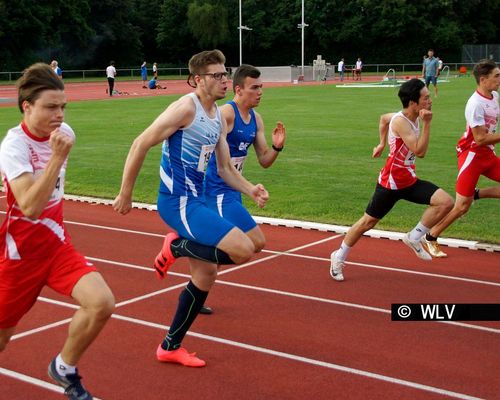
[(144, 75), (155, 70), (110, 74), (430, 70), (341, 67), (55, 67), (358, 68)]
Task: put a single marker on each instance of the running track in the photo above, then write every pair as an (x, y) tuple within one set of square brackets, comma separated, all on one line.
[(282, 328)]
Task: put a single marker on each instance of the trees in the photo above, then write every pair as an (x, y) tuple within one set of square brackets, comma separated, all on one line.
[(88, 33)]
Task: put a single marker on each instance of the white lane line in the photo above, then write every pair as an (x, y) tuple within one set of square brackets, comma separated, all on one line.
[(392, 269), (33, 381), (306, 360)]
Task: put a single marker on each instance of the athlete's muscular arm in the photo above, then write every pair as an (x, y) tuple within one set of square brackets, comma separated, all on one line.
[(383, 130), (230, 175), (177, 115), (403, 130), (227, 112), (266, 155), (483, 137), (32, 194)]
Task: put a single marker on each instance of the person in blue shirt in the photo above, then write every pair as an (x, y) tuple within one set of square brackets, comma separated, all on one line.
[(430, 69), (191, 129), (153, 84), (144, 74), (55, 67), (245, 128)]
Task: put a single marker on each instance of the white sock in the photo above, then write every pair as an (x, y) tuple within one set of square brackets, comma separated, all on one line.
[(343, 252), (418, 232), (62, 368)]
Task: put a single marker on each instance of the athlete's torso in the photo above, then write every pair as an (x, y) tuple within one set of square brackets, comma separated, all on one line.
[(22, 152), (239, 140), (399, 169), (186, 153), (479, 111)]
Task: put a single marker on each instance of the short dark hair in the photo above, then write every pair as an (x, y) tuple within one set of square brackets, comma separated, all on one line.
[(242, 72), (410, 91), (34, 80), (483, 68)]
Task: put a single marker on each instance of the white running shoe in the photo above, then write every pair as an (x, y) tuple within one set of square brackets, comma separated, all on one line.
[(432, 247), (416, 246), (336, 267)]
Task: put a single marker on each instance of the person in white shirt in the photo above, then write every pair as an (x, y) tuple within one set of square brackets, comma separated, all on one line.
[(110, 74), (340, 68), (359, 66)]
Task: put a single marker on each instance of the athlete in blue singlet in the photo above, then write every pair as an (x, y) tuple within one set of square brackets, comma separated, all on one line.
[(191, 129), (245, 128)]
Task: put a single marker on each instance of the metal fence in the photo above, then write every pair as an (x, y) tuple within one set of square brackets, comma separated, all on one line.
[(472, 53)]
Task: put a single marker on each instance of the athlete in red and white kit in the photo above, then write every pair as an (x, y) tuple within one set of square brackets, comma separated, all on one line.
[(35, 248), (397, 179), (475, 150)]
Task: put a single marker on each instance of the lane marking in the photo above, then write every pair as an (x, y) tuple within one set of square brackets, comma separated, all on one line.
[(33, 381)]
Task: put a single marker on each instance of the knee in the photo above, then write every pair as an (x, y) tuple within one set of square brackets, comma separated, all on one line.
[(366, 223), (102, 306), (259, 244), (244, 252)]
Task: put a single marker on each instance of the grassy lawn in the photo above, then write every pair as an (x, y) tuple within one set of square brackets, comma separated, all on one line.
[(325, 174)]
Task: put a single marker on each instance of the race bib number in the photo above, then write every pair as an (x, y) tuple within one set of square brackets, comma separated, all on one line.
[(58, 192), (205, 154), (238, 163), (410, 159)]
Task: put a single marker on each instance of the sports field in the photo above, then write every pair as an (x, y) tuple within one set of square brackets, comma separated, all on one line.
[(325, 173)]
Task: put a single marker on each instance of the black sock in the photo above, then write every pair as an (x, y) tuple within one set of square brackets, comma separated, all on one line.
[(430, 238), (476, 194), (191, 300), (188, 248)]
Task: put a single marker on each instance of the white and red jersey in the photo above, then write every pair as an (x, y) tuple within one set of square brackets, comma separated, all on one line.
[(479, 111), (20, 237), (399, 169)]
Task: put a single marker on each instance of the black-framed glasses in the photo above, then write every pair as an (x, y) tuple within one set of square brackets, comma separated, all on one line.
[(216, 75)]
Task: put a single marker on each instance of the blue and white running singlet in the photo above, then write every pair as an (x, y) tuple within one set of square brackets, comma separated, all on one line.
[(186, 153)]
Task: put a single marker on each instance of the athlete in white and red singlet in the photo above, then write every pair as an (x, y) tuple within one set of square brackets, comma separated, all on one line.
[(397, 179), (35, 248), (475, 150), (399, 169)]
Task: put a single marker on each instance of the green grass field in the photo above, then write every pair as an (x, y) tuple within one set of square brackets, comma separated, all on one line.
[(325, 174)]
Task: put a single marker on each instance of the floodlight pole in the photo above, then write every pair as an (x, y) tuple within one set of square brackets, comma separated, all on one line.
[(302, 26), (241, 28)]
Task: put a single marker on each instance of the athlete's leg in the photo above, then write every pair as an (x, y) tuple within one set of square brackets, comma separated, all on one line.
[(492, 192), (258, 239), (97, 304), (441, 203), (462, 205), (5, 335)]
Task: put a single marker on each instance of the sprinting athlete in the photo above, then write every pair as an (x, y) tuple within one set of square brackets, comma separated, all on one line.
[(191, 129), (397, 179), (245, 128), (475, 150), (35, 248)]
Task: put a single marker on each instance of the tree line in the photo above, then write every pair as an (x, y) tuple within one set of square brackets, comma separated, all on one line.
[(89, 33)]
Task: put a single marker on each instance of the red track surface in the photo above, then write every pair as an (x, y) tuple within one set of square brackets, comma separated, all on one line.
[(282, 328)]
